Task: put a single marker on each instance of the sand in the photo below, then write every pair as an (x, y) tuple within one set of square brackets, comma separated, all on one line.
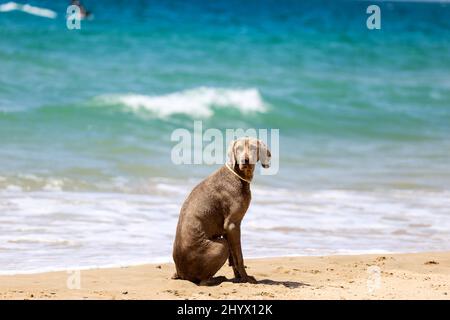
[(381, 276)]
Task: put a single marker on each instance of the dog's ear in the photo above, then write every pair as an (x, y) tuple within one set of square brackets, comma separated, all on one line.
[(232, 154), (264, 154)]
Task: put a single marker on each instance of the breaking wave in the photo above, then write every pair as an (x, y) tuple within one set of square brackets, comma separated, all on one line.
[(36, 11), (194, 102)]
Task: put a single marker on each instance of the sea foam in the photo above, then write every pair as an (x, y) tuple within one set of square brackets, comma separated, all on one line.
[(36, 11), (194, 102), (46, 230)]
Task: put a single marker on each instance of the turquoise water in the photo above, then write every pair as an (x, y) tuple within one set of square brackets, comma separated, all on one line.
[(86, 117)]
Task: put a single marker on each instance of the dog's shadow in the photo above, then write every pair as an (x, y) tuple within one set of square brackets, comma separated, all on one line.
[(288, 284)]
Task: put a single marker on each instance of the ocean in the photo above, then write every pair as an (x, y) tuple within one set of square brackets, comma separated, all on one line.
[(86, 117)]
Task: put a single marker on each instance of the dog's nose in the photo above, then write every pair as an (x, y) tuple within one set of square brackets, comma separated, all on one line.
[(246, 160)]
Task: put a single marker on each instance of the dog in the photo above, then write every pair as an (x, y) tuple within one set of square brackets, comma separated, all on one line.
[(209, 226)]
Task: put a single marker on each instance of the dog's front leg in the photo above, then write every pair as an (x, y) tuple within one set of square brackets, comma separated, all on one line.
[(231, 262), (233, 232)]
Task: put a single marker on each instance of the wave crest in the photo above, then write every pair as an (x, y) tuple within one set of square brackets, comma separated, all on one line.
[(36, 11), (195, 102)]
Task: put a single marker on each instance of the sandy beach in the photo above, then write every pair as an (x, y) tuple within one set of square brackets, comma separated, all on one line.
[(401, 276)]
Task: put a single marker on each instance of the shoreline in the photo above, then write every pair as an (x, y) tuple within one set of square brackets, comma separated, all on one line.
[(169, 261), (383, 222), (423, 275)]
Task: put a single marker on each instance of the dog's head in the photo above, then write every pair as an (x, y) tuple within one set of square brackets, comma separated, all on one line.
[(246, 152)]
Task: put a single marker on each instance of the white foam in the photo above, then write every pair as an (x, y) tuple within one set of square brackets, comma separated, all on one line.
[(54, 185), (34, 240), (13, 187), (36, 11), (9, 6), (101, 229), (196, 102)]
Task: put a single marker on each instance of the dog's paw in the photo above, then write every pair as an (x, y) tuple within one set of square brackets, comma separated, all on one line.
[(247, 279)]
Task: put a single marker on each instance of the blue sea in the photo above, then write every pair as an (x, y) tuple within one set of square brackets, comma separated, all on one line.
[(86, 117)]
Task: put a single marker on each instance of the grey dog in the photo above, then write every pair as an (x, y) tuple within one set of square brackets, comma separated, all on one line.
[(209, 226)]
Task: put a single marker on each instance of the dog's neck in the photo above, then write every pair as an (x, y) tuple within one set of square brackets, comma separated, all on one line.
[(245, 177)]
